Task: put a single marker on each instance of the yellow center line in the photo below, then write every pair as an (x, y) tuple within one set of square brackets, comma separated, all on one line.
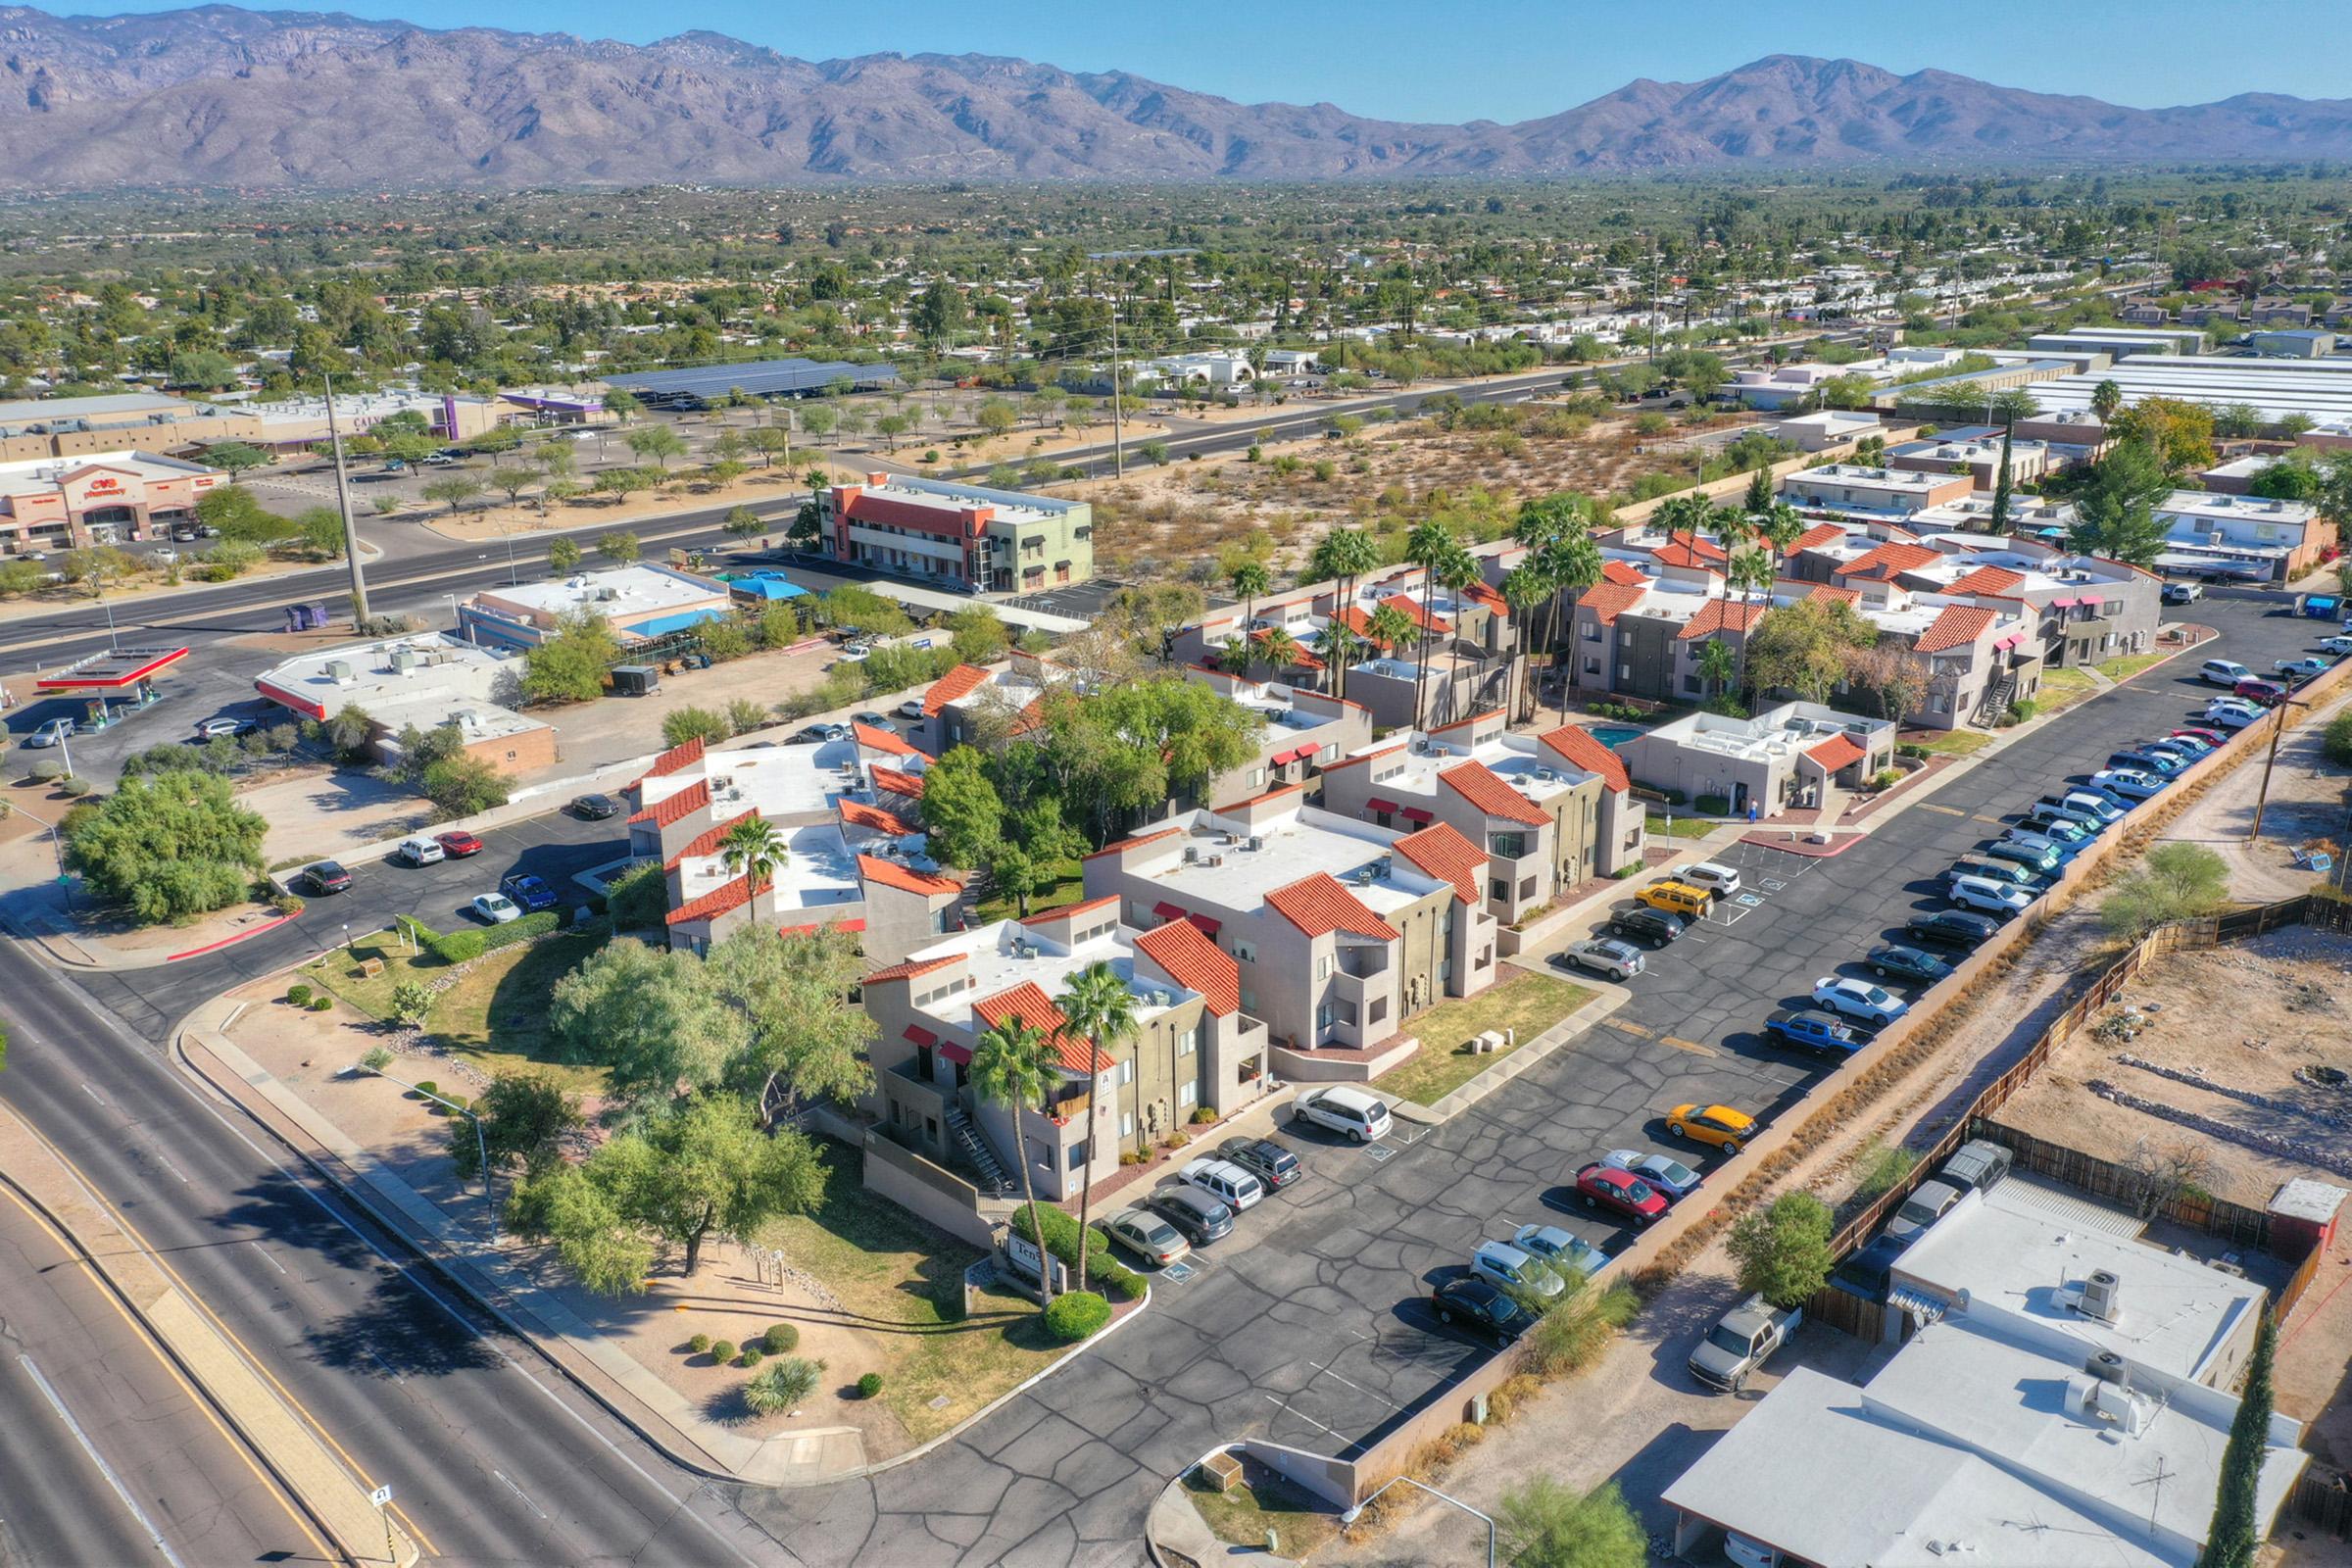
[(203, 1405), (367, 1480)]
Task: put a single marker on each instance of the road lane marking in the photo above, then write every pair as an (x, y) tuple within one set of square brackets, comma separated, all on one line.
[(107, 1470), (265, 1252), (1628, 1026), (95, 1095), (519, 1492)]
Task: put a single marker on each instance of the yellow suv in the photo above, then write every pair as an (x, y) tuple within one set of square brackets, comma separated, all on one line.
[(1676, 898)]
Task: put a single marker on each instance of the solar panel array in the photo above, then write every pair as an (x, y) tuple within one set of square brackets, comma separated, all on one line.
[(695, 385)]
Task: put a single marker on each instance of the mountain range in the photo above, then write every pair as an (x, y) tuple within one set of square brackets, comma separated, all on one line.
[(218, 96)]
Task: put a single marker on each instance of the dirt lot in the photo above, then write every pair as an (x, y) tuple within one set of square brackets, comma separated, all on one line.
[(2246, 1018), (2305, 810)]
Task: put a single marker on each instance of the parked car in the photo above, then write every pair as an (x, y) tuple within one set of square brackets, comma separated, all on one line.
[(459, 844), (2182, 749), (1651, 928), (2086, 803), (2127, 783), (1619, 960), (1740, 1341), (2261, 692), (1891, 960), (2229, 713), (2213, 740), (226, 724), (2182, 593), (2223, 672), (1147, 1236), (1869, 1271), (911, 710), (1517, 1271), (1603, 1186), (326, 876), (1709, 877), (1676, 899), (1565, 1253), (1951, 928), (1343, 1109), (1930, 1203), (1810, 1029), (2338, 645), (1975, 1166), (2300, 671), (528, 891), (2006, 872), (51, 732), (2139, 758), (2050, 819), (2034, 852), (1199, 1217), (1988, 897), (438, 459), (871, 719), (1720, 1125), (595, 808), (823, 732), (495, 908), (1858, 999), (1666, 1173), (422, 850), (1263, 1158), (1482, 1305)]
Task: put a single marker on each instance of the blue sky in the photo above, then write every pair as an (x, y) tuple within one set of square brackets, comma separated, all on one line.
[(1502, 60)]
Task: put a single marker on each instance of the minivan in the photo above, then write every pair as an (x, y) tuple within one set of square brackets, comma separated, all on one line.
[(1226, 1182), (2223, 671), (1988, 897), (1344, 1110), (1709, 877), (1990, 869)]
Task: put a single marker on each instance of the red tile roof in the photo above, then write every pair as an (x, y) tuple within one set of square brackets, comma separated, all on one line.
[(882, 740), (1958, 626), (1883, 563), (1460, 723), (1064, 911), (1480, 592), (1279, 789), (1820, 533), (1609, 600), (1843, 595), (1839, 750), (676, 758), (1318, 906), (1997, 580), (857, 814), (959, 682), (1624, 573), (893, 782), (1196, 963), (1442, 851), (706, 841), (732, 895), (1484, 789), (1301, 656), (1581, 749), (692, 798), (891, 874), (908, 971), (1031, 1006), (1687, 550), (1133, 843), (1722, 615), (1361, 624)]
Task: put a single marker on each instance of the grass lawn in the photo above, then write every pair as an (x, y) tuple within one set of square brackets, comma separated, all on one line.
[(905, 1281), (1301, 1521), (496, 1016), (338, 970), (1956, 742), (1530, 1004), (2129, 665), (1682, 828), (2062, 689), (1065, 883)]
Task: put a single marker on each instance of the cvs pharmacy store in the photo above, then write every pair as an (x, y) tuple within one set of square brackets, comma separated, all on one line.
[(108, 498)]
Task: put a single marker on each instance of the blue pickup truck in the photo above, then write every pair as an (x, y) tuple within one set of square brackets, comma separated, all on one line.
[(1809, 1030)]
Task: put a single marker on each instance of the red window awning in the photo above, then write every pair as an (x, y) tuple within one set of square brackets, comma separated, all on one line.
[(1298, 755), (921, 1035), (1415, 813), (1167, 911), (960, 1055), (1378, 805), (1207, 927)]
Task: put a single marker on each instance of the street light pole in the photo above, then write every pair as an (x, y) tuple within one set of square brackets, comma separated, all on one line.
[(351, 535), (482, 1146), (1350, 1516)]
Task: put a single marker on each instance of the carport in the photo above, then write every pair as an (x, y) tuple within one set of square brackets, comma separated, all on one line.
[(127, 673)]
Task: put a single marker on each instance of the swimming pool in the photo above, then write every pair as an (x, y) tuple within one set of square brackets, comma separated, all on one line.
[(1616, 735)]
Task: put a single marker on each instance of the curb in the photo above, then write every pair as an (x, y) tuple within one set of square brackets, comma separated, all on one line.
[(1608, 999), (228, 942)]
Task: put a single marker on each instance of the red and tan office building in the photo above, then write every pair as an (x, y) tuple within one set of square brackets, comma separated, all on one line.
[(108, 498)]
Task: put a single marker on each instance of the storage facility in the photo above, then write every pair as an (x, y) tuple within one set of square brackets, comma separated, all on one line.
[(698, 386)]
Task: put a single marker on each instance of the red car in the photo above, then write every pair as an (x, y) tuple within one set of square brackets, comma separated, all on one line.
[(457, 844), (2267, 693), (1607, 1187)]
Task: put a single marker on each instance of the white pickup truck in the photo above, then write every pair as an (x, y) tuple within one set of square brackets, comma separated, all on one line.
[(1740, 1342)]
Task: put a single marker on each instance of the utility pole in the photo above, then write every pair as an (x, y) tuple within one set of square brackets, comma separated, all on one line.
[(1653, 299), (351, 535), (1118, 423), (2268, 762)]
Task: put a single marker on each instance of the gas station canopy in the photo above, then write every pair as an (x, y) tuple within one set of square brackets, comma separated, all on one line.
[(122, 670)]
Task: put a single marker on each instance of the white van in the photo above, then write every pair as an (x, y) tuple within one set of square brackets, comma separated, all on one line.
[(1224, 1180), (1988, 897), (1344, 1110), (2225, 672), (1710, 876)]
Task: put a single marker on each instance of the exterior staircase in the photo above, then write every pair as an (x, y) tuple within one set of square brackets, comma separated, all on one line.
[(1997, 695), (978, 1155)]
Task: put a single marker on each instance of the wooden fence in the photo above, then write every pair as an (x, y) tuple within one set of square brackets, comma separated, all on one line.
[(2127, 1189), (2322, 1499)]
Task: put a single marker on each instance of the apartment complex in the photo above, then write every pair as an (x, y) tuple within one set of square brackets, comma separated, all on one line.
[(1299, 732), (958, 535), (2246, 538)]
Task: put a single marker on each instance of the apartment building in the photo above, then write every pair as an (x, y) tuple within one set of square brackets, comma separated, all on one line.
[(959, 535), (1340, 930), (1549, 811), (2245, 538), (1785, 756), (1299, 732), (1644, 638), (1871, 492), (1979, 460)]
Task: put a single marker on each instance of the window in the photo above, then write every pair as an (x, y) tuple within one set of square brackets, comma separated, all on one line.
[(1248, 1001), (1508, 846), (1625, 639), (1126, 1124), (1257, 777), (1692, 683), (1323, 1016), (1323, 967), (1076, 1155), (1244, 952), (1498, 890), (1186, 1093), (1189, 1040), (1592, 666), (1127, 1070), (1593, 631), (1444, 970)]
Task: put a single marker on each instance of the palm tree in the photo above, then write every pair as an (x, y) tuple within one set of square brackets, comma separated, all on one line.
[(1729, 528), (1389, 629), (1716, 665), (1429, 543), (1338, 646), (1576, 565), (1780, 525), (1098, 1006), (1249, 579), (1279, 649), (2105, 399), (1012, 1067), (754, 847), (1748, 570), (1524, 587), (1342, 556), (1683, 513), (1457, 569), (1545, 526)]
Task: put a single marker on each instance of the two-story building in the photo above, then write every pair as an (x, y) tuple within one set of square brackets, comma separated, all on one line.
[(638, 603), (1787, 756), (2246, 538), (1299, 732), (1871, 492), (964, 536)]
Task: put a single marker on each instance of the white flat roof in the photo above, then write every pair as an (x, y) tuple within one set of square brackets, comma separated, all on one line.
[(620, 591), (53, 410), (1855, 476), (1296, 847), (996, 966), (1778, 732), (2002, 1248), (778, 781), (1516, 765), (822, 872), (2235, 508), (2321, 388), (443, 667), (1013, 506), (30, 476)]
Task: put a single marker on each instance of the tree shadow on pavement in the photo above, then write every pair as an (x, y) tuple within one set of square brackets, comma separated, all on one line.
[(398, 1333)]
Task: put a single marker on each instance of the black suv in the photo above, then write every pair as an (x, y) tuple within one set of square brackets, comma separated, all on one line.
[(1481, 1304), (1952, 928), (1651, 928), (1263, 1158), (326, 876)]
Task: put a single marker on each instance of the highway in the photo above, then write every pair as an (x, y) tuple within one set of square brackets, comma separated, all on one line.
[(492, 1458)]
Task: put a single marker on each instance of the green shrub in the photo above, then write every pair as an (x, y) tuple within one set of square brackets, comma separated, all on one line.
[(750, 1356), (1883, 1166), (870, 1385), (1886, 778), (781, 1385), (456, 947), (1713, 806), (75, 787), (322, 1003), (1076, 1316), (700, 1343), (723, 1351), (1062, 1240), (46, 773), (299, 993), (1204, 1115), (2337, 740), (287, 904), (425, 1085), (538, 923), (781, 1338)]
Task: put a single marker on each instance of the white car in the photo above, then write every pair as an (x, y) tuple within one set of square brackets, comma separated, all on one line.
[(1562, 1252), (51, 733), (1858, 999), (912, 707), (422, 850), (1666, 1173), (1343, 1109), (1514, 1270), (1619, 960), (2335, 645), (2233, 714), (1711, 876), (496, 907)]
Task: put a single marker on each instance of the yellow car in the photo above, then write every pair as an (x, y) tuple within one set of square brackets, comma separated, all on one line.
[(1676, 898), (1727, 1129)]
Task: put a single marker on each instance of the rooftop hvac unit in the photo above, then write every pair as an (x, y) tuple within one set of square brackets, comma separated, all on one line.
[(2215, 538), (404, 661), (1191, 855), (2109, 1367), (1020, 947), (1545, 775), (1215, 860), (2102, 1297), (1255, 842), (462, 718), (338, 670)]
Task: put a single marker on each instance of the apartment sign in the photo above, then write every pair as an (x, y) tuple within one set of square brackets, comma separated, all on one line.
[(1025, 1255)]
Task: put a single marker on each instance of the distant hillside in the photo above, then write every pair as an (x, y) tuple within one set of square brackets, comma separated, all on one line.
[(221, 96)]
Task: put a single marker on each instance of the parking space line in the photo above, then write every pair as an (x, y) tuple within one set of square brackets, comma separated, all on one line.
[(1293, 1409), (1947, 811), (1691, 1046), (1357, 1386)]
